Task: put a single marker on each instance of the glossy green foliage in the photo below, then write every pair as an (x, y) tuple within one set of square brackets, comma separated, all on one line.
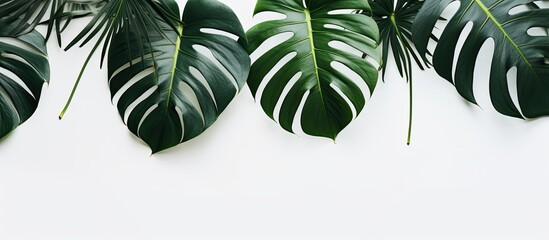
[(24, 69), (171, 86), (395, 22), (30, 13), (395, 25), (116, 14), (514, 46), (333, 97)]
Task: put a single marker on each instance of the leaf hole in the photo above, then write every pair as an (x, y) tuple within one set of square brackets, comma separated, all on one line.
[(182, 122), (7, 97), (333, 26), (285, 60), (459, 46), (21, 44), (346, 98), (518, 9), (116, 96), (145, 116), (450, 10), (352, 75), (296, 124), (342, 11), (481, 74), (133, 62), (210, 55), (513, 87), (538, 32), (287, 89), (442, 22), (270, 43), (524, 8), (267, 16), (373, 62), (198, 76), (542, 3), (339, 45), (13, 76), (219, 32), (189, 93), (137, 101)]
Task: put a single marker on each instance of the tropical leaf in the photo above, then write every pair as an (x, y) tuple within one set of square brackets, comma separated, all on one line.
[(136, 15), (169, 89), (395, 26), (514, 46), (332, 95), (24, 69), (30, 13)]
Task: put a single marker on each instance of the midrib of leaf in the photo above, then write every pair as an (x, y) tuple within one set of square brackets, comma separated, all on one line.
[(500, 27), (395, 25), (313, 49), (174, 66)]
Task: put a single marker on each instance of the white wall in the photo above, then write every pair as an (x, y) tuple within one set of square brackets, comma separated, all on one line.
[(470, 173)]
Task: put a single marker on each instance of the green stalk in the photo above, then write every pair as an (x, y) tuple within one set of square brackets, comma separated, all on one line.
[(409, 76), (88, 60), (81, 74), (411, 112)]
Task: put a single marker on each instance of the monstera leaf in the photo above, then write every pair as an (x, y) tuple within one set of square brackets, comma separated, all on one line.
[(173, 85), (332, 95), (25, 58), (30, 13), (395, 26), (514, 43)]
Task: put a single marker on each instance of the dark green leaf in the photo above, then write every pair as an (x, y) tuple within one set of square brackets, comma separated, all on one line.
[(169, 91), (25, 57), (514, 47)]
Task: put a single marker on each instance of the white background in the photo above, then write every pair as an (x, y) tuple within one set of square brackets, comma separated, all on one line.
[(470, 173)]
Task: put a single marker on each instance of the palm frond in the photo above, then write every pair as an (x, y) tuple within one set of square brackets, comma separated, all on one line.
[(135, 15), (395, 24), (56, 13)]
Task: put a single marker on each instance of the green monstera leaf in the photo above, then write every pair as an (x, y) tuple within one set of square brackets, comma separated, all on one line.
[(333, 98), (395, 25), (171, 86), (24, 68), (515, 46)]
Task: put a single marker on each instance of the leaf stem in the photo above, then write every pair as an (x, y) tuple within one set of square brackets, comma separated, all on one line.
[(408, 76), (80, 77), (410, 85)]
